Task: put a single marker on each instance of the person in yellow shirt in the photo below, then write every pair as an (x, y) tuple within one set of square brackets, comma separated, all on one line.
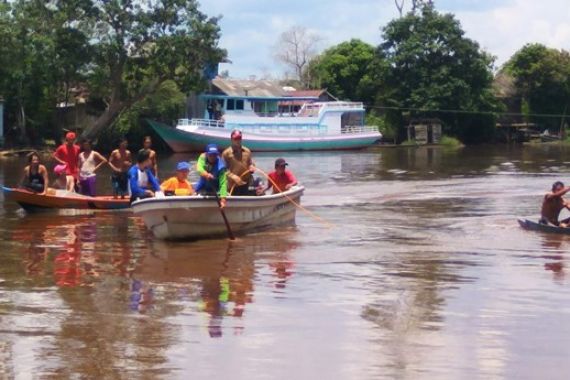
[(179, 184)]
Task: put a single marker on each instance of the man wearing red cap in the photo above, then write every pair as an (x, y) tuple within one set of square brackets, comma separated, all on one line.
[(239, 165), (68, 154)]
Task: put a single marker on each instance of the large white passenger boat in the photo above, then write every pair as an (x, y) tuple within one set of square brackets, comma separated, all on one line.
[(269, 122)]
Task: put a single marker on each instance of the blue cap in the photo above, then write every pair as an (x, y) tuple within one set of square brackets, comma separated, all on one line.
[(182, 165), (212, 149)]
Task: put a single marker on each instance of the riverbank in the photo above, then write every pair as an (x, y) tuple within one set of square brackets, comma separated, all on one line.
[(24, 151)]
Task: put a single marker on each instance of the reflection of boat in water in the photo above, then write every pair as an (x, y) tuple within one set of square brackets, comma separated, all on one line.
[(61, 199), (535, 226), (77, 250), (217, 277), (191, 217)]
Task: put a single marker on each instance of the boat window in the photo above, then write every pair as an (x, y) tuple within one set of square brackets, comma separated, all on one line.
[(351, 119), (231, 105), (239, 104)]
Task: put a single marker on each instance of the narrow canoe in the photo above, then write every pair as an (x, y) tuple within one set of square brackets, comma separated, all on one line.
[(194, 217), (535, 226), (60, 199)]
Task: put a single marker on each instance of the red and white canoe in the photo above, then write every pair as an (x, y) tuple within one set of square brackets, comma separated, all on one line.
[(61, 199)]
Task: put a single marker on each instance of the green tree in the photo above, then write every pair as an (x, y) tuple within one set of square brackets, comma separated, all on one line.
[(140, 46), (542, 79), (41, 55), (433, 66), (342, 68)]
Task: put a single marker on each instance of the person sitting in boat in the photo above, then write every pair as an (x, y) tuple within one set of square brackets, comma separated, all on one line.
[(240, 166), (280, 179), (179, 184), (142, 182), (213, 174), (68, 154), (62, 180), (35, 177), (553, 203), (89, 162)]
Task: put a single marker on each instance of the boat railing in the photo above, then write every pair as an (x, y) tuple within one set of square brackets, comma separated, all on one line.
[(201, 123), (343, 105), (314, 109), (352, 129)]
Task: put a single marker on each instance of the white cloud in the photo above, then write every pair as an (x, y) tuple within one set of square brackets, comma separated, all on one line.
[(505, 29), (250, 30)]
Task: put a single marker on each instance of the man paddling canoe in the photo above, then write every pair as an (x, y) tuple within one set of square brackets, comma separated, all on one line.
[(553, 203), (213, 174)]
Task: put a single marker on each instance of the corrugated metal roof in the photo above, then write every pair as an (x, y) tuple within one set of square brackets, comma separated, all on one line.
[(302, 93), (252, 88)]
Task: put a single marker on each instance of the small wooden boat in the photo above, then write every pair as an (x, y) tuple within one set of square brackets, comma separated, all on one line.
[(61, 199), (193, 217), (535, 226)]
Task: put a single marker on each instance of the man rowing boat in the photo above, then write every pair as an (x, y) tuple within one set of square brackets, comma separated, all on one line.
[(213, 174), (553, 203)]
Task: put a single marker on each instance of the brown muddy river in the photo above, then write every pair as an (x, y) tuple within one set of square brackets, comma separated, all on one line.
[(424, 275)]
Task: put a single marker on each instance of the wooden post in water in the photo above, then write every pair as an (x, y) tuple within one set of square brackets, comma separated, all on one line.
[(1, 121)]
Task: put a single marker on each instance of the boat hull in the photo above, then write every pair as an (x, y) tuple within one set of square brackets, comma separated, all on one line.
[(534, 226), (194, 217), (35, 202), (194, 141)]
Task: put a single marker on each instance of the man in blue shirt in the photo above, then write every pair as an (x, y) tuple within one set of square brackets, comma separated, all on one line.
[(142, 182)]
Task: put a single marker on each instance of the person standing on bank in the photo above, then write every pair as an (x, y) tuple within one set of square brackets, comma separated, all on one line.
[(240, 166), (142, 182), (68, 154), (280, 179), (89, 162), (35, 177), (120, 162), (213, 174), (147, 144)]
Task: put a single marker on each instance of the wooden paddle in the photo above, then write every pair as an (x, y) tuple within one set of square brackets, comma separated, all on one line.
[(226, 222)]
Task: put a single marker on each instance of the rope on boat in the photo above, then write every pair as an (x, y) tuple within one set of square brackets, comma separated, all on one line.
[(311, 214)]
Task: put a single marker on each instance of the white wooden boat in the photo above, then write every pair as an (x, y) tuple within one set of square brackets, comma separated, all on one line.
[(194, 217)]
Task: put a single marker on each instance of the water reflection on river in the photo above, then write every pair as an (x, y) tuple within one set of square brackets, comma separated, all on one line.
[(425, 274)]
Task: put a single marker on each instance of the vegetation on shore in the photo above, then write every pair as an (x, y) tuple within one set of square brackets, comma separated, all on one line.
[(132, 62), (450, 142), (119, 55)]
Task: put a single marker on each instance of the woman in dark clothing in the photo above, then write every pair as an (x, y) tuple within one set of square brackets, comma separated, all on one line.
[(35, 175)]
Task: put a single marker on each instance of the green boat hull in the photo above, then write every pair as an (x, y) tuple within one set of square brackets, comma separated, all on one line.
[(182, 141)]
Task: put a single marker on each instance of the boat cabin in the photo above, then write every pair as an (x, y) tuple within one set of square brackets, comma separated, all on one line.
[(261, 98), (266, 108)]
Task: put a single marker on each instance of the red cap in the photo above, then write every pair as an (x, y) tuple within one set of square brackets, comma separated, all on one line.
[(236, 134), (70, 136)]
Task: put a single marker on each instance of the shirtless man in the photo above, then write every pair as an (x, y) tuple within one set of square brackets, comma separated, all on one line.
[(120, 162), (553, 203), (147, 144)]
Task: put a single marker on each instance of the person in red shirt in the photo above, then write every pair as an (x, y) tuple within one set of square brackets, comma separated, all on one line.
[(68, 154), (280, 179)]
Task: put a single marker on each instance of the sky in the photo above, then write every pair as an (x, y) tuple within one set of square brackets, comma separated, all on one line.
[(250, 28)]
